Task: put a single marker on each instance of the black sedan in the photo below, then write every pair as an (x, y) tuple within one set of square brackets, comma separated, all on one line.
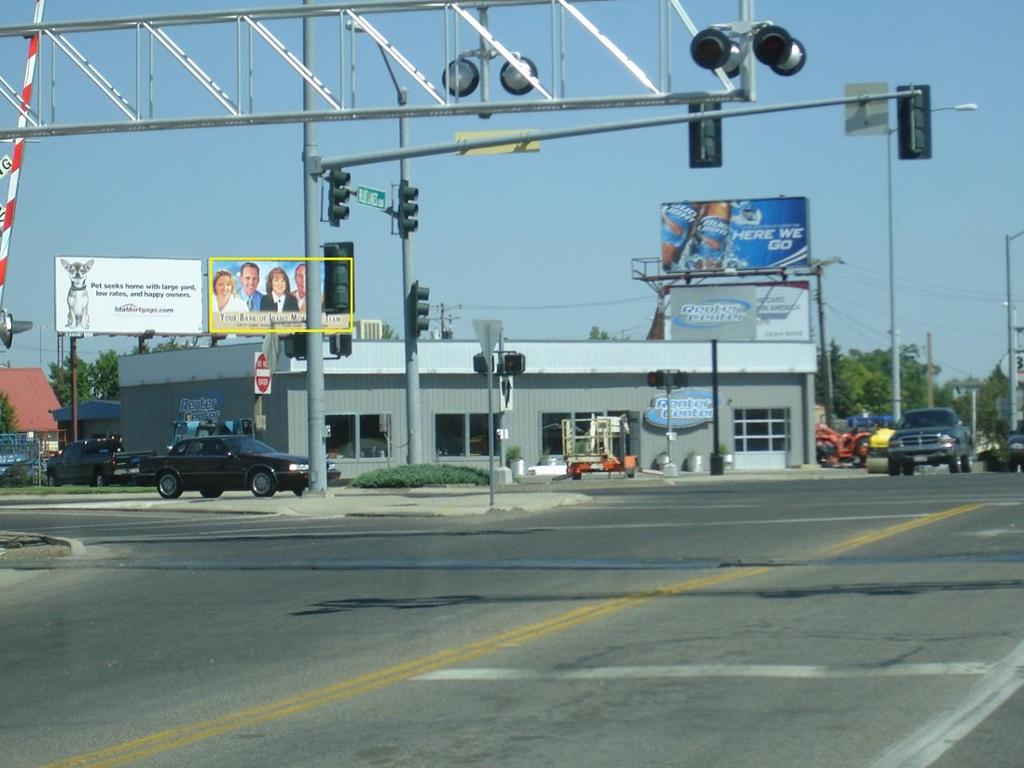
[(212, 465)]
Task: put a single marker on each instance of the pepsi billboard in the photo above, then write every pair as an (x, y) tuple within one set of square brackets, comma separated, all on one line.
[(734, 235)]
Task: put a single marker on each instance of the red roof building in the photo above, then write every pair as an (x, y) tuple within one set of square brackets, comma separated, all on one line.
[(31, 396)]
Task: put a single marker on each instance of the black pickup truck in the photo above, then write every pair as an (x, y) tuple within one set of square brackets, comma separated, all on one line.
[(930, 436), (94, 462)]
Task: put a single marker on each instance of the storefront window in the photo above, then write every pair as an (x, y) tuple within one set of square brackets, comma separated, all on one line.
[(461, 434), (450, 434), (551, 433), (374, 436), (364, 436)]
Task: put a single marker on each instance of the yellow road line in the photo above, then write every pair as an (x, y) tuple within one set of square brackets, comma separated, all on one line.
[(190, 733), (174, 738), (894, 530)]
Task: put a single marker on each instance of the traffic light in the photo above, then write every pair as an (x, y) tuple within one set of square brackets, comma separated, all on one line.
[(295, 345), (914, 123), (419, 308), (408, 209), (513, 363), (339, 295), (705, 138), (662, 379), (340, 345), (338, 193), (480, 363)]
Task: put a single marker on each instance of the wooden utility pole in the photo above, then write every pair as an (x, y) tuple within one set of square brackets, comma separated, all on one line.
[(931, 370), (826, 357)]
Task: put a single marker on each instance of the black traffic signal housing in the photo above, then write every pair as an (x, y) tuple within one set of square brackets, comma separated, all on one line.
[(339, 291), (338, 193), (705, 138), (513, 363), (408, 209), (295, 345), (419, 308), (480, 363), (340, 345), (661, 379), (914, 123)]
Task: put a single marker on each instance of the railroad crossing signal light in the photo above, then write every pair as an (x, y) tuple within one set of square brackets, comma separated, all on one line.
[(338, 193), (705, 138), (419, 307), (914, 123), (408, 209), (782, 52), (6, 328), (713, 49), (513, 363), (339, 293)]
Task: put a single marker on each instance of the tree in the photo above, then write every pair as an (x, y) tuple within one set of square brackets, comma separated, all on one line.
[(8, 418), (96, 381), (60, 380), (387, 332), (102, 377), (597, 333)]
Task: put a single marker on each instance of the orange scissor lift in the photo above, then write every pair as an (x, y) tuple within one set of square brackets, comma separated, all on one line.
[(589, 445)]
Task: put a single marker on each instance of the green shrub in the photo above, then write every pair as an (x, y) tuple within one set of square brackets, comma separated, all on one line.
[(419, 475)]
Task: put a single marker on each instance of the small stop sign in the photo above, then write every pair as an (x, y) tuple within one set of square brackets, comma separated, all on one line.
[(262, 378)]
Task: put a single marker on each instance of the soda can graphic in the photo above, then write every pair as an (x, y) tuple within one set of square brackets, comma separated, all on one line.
[(713, 235), (677, 228)]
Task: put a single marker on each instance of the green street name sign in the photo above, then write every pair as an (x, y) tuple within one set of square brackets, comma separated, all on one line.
[(375, 198)]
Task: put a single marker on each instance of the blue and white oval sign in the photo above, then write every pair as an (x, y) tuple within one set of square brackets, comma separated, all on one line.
[(690, 407)]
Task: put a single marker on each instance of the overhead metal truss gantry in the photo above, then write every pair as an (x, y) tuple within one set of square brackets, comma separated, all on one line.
[(134, 51)]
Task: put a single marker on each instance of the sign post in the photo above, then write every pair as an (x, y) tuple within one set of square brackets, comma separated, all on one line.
[(261, 379), (487, 333)]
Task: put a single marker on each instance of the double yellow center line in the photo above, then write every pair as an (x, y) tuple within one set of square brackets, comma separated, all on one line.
[(174, 738)]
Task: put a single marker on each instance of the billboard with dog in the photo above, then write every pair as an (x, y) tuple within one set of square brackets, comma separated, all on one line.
[(128, 296)]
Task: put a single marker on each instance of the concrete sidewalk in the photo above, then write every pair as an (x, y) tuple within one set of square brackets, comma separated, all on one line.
[(532, 494)]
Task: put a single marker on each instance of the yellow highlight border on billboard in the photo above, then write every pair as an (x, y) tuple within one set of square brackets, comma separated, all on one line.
[(243, 321)]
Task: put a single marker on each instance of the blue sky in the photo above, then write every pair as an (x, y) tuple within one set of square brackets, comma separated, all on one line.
[(544, 241)]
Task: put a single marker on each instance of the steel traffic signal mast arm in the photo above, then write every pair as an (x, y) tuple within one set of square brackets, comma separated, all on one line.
[(524, 137)]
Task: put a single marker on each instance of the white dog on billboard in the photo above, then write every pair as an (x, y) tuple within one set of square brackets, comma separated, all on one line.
[(78, 294)]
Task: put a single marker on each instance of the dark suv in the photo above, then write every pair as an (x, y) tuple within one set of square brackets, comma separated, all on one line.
[(930, 436)]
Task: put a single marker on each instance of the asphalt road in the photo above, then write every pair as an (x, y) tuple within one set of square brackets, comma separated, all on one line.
[(868, 623)]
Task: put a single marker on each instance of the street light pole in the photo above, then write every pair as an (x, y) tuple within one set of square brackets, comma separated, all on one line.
[(1011, 340), (893, 333)]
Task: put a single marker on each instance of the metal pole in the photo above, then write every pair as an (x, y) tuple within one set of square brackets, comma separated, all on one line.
[(668, 416), (412, 366), (894, 334), (717, 462), (74, 388), (314, 280), (1011, 339), (490, 421), (501, 411), (826, 356)]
